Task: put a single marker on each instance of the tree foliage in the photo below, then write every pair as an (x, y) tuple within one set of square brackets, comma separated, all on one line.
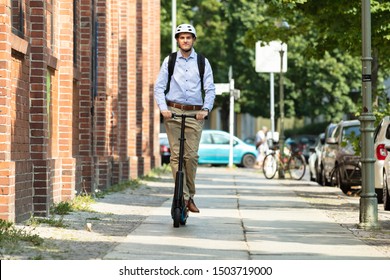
[(338, 25), (324, 50)]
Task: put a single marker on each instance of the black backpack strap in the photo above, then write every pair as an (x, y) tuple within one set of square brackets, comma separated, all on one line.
[(201, 66), (171, 67)]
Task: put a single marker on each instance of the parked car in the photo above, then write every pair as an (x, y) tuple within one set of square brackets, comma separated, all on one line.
[(303, 143), (339, 155), (315, 154), (250, 140), (381, 140), (214, 149), (386, 180), (319, 166), (165, 151)]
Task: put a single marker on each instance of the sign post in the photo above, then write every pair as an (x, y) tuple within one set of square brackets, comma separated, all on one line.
[(268, 60), (234, 94), (231, 115)]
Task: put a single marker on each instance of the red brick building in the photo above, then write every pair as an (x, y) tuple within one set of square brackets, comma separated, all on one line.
[(76, 98)]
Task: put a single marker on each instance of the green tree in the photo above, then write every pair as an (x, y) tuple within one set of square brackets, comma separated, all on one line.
[(338, 25), (324, 66), (318, 83), (221, 26), (330, 87)]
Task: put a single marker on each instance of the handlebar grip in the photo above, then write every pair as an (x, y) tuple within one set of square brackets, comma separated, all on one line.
[(174, 115)]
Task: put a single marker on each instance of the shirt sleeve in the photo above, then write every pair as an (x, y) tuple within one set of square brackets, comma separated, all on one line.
[(160, 86), (209, 86)]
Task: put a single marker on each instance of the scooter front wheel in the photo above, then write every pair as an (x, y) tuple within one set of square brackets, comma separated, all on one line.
[(183, 216), (176, 217)]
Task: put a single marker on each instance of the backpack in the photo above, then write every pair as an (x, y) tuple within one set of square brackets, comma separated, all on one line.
[(171, 67)]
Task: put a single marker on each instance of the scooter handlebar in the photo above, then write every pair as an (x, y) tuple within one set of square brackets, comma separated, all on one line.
[(174, 115)]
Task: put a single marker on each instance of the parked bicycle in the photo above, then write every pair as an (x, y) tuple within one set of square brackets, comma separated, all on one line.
[(291, 163)]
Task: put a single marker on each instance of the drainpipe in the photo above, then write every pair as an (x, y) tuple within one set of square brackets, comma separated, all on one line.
[(95, 25)]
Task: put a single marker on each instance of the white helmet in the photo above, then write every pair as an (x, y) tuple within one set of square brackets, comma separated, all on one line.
[(185, 28)]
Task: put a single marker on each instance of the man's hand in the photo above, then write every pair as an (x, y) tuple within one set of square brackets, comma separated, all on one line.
[(166, 114), (202, 114)]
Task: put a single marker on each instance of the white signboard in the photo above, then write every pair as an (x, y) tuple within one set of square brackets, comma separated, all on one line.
[(222, 88), (268, 57)]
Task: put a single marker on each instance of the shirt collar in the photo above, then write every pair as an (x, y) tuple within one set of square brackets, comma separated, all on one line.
[(192, 55)]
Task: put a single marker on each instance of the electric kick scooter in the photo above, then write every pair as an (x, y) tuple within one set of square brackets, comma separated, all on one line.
[(179, 210)]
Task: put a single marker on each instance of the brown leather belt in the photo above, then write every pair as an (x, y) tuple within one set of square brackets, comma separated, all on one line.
[(184, 107)]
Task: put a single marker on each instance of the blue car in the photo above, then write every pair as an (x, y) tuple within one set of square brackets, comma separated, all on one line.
[(214, 149)]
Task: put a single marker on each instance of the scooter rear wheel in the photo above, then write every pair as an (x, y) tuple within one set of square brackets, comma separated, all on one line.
[(176, 217)]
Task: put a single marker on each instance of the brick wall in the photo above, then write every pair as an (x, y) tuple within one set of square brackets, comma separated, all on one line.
[(76, 105), (20, 145), (7, 166), (86, 92)]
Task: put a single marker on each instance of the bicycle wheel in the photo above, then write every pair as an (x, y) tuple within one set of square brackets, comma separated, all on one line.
[(296, 166), (270, 166)]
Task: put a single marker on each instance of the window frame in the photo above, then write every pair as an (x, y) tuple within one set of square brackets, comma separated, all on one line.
[(18, 12)]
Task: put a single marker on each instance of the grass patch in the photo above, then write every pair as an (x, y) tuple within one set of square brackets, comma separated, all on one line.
[(51, 221), (10, 236), (83, 203), (62, 208), (131, 184), (155, 173), (93, 219), (58, 210)]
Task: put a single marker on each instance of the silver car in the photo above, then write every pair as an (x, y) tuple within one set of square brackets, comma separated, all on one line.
[(341, 166), (320, 167)]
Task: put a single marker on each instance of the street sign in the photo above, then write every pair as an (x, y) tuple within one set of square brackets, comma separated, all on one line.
[(236, 93), (222, 88), (268, 57)]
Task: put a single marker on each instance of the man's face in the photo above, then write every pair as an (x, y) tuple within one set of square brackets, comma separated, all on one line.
[(185, 41)]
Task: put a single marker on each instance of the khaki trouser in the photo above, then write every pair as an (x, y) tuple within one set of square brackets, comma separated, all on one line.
[(193, 132)]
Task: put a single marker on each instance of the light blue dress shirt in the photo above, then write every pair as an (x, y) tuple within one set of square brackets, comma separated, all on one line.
[(185, 87)]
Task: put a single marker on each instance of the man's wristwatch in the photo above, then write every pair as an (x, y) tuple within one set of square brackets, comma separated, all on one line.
[(205, 109)]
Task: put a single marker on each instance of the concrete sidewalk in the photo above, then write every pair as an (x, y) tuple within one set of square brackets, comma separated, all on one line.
[(246, 217)]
